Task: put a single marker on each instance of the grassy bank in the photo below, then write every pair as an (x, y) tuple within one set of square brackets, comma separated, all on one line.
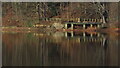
[(19, 29)]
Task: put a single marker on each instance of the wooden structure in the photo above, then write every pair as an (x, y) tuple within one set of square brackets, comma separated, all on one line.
[(71, 23)]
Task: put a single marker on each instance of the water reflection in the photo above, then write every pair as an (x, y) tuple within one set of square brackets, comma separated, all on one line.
[(59, 49)]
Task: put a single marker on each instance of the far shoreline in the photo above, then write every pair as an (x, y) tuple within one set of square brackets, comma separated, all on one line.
[(33, 29)]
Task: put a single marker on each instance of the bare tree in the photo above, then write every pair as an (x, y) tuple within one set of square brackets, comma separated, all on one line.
[(100, 8), (42, 9)]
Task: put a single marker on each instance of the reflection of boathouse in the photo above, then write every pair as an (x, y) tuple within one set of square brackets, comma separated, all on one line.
[(86, 37), (74, 49), (79, 37)]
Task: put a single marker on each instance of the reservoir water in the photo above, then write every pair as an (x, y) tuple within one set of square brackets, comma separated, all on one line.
[(59, 49)]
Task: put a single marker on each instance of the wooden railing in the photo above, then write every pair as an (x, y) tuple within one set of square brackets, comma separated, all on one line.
[(72, 19)]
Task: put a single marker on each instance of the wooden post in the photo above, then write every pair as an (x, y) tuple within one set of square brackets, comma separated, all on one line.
[(65, 34), (92, 40), (78, 19), (65, 26), (71, 26), (95, 20), (84, 34), (91, 35), (91, 25), (92, 20), (84, 26), (71, 33), (98, 35), (98, 26)]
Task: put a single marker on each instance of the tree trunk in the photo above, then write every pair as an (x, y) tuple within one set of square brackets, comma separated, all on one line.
[(38, 11), (103, 19)]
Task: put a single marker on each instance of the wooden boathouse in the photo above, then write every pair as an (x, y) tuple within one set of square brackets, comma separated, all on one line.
[(73, 23)]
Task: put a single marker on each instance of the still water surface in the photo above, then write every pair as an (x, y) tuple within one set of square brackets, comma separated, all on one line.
[(59, 49)]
